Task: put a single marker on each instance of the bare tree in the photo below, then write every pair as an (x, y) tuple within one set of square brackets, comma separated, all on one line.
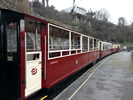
[(47, 3), (73, 7), (43, 3), (102, 15), (121, 21)]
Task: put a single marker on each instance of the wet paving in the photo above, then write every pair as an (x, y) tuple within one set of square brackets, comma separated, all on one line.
[(112, 81)]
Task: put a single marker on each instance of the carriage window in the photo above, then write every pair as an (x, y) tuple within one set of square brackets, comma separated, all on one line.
[(84, 44), (58, 42), (103, 47), (109, 46), (91, 44), (33, 35), (58, 39), (11, 41), (95, 44), (75, 41), (33, 57)]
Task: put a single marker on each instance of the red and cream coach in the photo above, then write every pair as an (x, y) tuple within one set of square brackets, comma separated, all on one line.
[(106, 49), (116, 47), (36, 55)]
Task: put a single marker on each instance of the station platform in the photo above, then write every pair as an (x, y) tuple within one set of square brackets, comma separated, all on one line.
[(109, 79)]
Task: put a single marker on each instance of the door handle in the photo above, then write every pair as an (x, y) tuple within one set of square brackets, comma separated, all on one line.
[(40, 62)]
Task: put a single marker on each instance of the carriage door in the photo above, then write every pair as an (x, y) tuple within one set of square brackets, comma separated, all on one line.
[(33, 57)]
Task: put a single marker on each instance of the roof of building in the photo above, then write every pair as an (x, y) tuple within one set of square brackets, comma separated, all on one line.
[(77, 9)]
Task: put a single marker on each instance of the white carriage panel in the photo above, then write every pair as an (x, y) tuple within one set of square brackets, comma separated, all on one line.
[(33, 75)]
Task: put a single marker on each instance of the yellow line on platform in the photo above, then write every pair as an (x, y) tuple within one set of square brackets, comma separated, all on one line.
[(87, 79), (44, 97)]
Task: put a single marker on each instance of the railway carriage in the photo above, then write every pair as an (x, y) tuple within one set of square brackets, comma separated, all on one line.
[(36, 55), (116, 47), (106, 49)]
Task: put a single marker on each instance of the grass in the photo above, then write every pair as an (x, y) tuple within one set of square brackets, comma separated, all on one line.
[(128, 43)]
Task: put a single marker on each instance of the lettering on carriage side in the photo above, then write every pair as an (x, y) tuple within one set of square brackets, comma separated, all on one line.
[(54, 62)]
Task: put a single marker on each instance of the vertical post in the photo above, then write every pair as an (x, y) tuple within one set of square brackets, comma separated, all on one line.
[(88, 44), (73, 41), (81, 43), (98, 45), (93, 44), (36, 38), (48, 40), (25, 58), (61, 53), (45, 59), (101, 47), (69, 42)]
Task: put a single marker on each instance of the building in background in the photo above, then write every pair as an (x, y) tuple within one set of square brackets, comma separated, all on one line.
[(79, 14)]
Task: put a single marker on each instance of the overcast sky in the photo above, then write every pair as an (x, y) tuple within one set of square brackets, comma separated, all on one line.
[(116, 8)]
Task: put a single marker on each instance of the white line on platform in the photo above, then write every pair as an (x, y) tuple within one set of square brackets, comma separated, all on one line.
[(86, 79), (70, 85)]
